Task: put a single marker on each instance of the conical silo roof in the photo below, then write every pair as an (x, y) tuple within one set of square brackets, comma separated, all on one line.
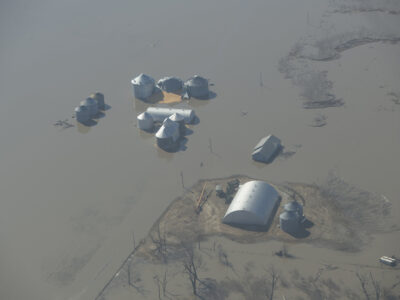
[(197, 81), (143, 79), (89, 102), (177, 118), (293, 206), (170, 84), (145, 116), (81, 108), (165, 132), (288, 215)]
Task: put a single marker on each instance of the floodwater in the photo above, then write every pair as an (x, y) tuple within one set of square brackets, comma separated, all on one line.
[(72, 199)]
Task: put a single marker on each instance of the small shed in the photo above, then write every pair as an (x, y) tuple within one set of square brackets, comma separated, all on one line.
[(197, 87), (145, 121), (159, 114), (289, 222), (266, 149), (143, 86), (253, 204), (170, 84)]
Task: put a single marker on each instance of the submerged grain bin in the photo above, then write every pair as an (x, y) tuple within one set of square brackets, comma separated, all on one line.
[(289, 222), (170, 84), (295, 207), (159, 114), (197, 87), (145, 121), (168, 135), (181, 121), (82, 114), (253, 204), (99, 97), (91, 105), (143, 86), (266, 149)]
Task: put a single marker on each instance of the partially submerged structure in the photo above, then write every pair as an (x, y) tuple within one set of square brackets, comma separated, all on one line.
[(143, 86), (91, 105), (290, 220), (82, 114), (253, 205), (99, 97), (266, 149), (197, 87), (170, 84), (168, 135), (145, 121), (181, 121), (159, 114)]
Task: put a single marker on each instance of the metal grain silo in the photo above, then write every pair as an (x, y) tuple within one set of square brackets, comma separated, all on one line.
[(91, 105), (145, 121), (197, 87), (289, 222), (159, 114), (143, 86), (295, 207), (168, 135), (82, 114), (99, 97), (181, 121), (170, 84)]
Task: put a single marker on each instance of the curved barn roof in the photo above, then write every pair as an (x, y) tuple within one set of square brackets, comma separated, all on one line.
[(253, 204)]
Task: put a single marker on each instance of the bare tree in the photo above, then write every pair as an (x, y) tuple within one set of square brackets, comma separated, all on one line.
[(191, 264), (160, 241), (274, 278), (365, 281)]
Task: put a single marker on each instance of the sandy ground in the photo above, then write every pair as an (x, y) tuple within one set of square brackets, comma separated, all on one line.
[(72, 198)]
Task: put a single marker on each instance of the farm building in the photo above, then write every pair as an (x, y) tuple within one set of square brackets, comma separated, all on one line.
[(143, 86), (253, 204), (159, 114), (170, 84), (266, 149), (197, 87), (145, 121), (168, 135)]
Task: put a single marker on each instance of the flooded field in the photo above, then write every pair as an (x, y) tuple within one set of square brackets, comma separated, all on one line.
[(320, 75)]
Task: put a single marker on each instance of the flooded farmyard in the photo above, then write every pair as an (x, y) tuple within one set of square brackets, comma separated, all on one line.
[(320, 75)]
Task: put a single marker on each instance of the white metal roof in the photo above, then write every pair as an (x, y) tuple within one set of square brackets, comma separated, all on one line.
[(143, 79), (253, 204)]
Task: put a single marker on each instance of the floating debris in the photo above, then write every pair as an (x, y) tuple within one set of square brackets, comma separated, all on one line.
[(63, 124)]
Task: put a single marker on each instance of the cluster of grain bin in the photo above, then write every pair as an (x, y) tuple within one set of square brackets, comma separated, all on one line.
[(290, 220), (172, 121), (144, 86), (89, 108)]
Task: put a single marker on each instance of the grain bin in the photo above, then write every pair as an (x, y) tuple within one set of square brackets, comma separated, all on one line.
[(295, 207), (181, 121), (159, 114), (99, 97), (143, 86), (91, 105), (145, 121), (168, 135), (289, 222), (170, 84), (82, 114), (197, 87)]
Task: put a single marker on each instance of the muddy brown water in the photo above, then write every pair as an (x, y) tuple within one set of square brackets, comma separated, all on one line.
[(71, 199)]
